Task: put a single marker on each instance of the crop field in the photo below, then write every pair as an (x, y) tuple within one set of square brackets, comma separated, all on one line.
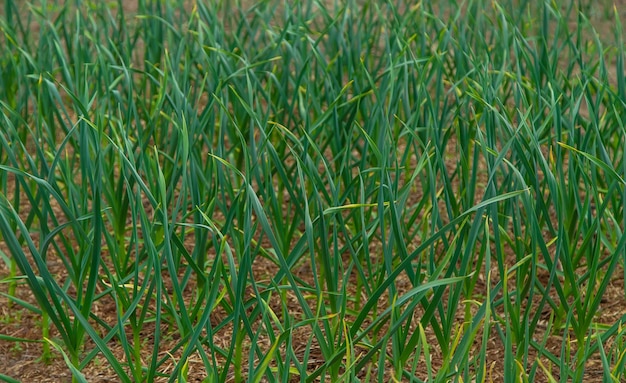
[(312, 191)]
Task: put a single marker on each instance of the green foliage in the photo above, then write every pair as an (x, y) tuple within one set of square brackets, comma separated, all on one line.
[(445, 175)]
